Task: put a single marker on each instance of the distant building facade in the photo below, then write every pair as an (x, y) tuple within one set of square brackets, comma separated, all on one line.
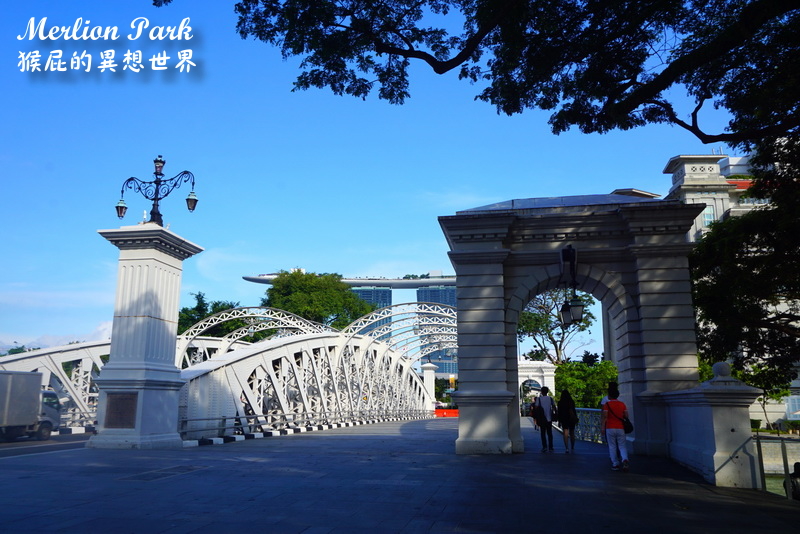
[(437, 294), (715, 180), (380, 297)]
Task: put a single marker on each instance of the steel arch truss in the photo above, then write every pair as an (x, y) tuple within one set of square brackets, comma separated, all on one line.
[(258, 319), (68, 370), (363, 371), (416, 329), (300, 382)]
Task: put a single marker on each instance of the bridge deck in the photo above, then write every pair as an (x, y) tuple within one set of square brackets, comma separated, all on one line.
[(386, 477)]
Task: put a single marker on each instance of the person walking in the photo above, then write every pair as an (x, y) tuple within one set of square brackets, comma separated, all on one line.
[(567, 419), (614, 411), (612, 386), (532, 410), (545, 413)]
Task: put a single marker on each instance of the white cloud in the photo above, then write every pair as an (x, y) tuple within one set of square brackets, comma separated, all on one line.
[(101, 332)]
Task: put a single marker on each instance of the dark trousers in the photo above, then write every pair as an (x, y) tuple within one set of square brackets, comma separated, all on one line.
[(546, 431)]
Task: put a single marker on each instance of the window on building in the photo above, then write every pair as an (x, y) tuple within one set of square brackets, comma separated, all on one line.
[(709, 215), (753, 201), (793, 407)]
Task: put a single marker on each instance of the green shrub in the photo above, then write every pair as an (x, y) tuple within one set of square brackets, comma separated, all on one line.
[(755, 424)]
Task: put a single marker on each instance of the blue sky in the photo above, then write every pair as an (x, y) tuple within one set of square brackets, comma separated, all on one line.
[(305, 179)]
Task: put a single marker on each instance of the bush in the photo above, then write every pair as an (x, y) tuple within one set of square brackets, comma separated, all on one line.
[(586, 383), (755, 424), (792, 425)]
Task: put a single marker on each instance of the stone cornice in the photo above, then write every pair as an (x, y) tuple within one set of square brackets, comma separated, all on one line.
[(669, 218), (478, 256), (151, 236), (669, 249), (618, 222), (483, 227)]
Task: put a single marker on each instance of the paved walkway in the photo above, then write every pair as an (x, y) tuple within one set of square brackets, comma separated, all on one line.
[(380, 478)]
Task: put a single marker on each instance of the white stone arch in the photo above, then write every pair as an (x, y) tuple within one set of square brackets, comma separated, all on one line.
[(540, 372), (619, 312), (605, 287), (632, 256)]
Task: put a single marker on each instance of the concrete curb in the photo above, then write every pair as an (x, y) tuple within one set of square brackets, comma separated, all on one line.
[(290, 431), (66, 430), (256, 435)]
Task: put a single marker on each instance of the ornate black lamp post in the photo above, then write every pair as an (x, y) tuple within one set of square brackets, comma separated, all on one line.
[(156, 190)]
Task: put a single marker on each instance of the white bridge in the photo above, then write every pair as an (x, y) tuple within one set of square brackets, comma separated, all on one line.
[(304, 374)]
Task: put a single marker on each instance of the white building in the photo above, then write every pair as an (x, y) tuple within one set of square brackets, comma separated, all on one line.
[(715, 180), (719, 182)]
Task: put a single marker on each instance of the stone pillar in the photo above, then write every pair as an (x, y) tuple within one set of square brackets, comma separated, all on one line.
[(512, 384), (660, 352), (710, 429), (429, 380), (484, 400), (665, 355), (139, 386)]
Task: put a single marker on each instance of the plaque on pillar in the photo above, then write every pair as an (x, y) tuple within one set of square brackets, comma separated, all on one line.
[(121, 410)]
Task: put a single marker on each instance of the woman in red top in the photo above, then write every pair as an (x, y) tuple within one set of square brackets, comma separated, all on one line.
[(614, 411)]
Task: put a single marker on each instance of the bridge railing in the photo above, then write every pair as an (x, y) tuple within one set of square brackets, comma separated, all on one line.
[(774, 453), (75, 418), (277, 422), (588, 427)]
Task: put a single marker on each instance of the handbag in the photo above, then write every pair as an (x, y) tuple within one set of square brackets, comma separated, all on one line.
[(627, 426), (574, 419)]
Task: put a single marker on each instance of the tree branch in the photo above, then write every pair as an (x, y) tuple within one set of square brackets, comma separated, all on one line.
[(752, 18), (777, 129), (783, 328), (439, 66)]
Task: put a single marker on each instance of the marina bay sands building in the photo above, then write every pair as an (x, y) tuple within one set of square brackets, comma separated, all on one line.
[(432, 287)]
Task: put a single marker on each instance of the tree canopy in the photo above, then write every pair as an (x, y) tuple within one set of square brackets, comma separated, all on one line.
[(190, 315), (323, 298), (586, 383), (19, 349), (595, 64), (746, 273), (540, 322)]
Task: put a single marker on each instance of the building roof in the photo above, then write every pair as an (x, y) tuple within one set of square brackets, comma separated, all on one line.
[(741, 185), (557, 202)]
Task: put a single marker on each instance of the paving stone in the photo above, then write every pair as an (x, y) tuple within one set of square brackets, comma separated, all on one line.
[(379, 478)]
